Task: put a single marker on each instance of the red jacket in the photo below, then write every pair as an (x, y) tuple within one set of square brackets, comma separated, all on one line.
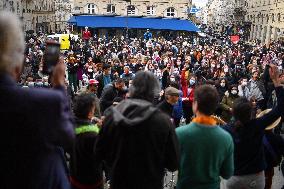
[(87, 35), (183, 83)]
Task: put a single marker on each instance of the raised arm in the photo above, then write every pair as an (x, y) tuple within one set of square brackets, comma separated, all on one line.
[(276, 112)]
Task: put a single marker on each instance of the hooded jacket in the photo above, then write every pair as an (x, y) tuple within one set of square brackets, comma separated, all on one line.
[(138, 142)]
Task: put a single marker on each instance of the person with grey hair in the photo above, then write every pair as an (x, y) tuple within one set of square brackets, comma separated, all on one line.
[(35, 124), (137, 140)]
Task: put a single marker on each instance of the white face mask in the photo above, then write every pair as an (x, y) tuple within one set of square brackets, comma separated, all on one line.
[(244, 83), (223, 84), (31, 84), (192, 82), (234, 92), (172, 79)]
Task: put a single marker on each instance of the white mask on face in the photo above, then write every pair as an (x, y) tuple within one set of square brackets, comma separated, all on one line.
[(234, 92), (244, 83), (223, 84), (192, 82), (31, 84), (172, 79)]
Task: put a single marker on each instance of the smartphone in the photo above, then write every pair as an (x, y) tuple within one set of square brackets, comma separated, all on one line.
[(51, 56)]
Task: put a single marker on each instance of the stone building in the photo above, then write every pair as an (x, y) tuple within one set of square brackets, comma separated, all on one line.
[(63, 9), (266, 18), (157, 8), (36, 15)]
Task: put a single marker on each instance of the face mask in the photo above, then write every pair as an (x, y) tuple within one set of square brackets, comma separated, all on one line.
[(226, 70), (31, 84), (213, 65), (244, 83), (192, 82), (234, 92), (172, 79), (39, 84), (223, 84)]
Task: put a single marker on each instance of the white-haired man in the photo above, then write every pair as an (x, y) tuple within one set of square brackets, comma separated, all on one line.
[(35, 123)]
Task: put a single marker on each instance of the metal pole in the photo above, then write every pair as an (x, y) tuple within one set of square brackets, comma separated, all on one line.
[(127, 16)]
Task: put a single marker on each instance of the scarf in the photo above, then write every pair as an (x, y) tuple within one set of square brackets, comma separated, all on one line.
[(205, 120)]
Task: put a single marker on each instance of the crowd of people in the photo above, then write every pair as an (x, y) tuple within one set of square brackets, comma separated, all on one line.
[(127, 110)]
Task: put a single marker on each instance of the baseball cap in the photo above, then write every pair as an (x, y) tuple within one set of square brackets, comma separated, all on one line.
[(93, 81)]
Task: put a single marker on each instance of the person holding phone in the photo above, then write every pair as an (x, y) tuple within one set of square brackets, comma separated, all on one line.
[(36, 124)]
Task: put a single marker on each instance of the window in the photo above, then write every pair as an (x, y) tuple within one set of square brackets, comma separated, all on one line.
[(91, 8), (110, 8), (131, 10), (170, 12), (77, 8), (150, 10)]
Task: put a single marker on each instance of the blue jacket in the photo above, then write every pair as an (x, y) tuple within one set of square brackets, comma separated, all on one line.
[(148, 35), (177, 111), (34, 124)]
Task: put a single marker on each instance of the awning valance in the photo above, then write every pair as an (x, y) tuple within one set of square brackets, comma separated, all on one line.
[(133, 22)]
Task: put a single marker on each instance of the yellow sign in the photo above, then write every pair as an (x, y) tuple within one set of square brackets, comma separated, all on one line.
[(64, 40)]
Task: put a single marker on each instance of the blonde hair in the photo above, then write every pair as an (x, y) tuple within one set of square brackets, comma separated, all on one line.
[(11, 42)]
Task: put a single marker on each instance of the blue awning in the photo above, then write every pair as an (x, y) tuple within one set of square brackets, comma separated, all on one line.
[(133, 22), (72, 20)]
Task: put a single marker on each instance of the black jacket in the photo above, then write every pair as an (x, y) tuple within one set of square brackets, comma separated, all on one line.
[(84, 168), (166, 107), (108, 95), (277, 144), (100, 79), (138, 142), (248, 139)]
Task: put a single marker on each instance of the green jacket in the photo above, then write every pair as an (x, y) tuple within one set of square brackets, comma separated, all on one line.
[(226, 104)]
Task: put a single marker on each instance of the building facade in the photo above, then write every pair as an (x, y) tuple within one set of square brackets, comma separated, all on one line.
[(157, 8), (266, 18), (41, 15), (63, 9)]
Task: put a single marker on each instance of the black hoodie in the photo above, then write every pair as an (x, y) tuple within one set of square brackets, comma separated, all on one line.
[(137, 142)]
